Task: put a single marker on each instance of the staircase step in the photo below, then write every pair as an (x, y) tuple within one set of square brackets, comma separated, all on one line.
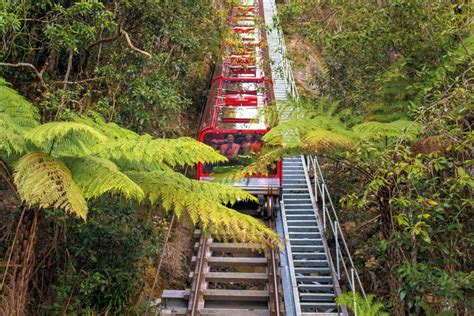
[(319, 288), (311, 248), (325, 279)]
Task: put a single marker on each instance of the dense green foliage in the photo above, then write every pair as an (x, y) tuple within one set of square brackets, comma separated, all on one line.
[(100, 265), (395, 69), (137, 63)]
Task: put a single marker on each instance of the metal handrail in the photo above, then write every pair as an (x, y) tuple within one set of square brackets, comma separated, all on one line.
[(342, 254), (285, 66)]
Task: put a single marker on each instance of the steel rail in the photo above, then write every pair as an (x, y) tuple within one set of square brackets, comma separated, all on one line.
[(275, 267), (198, 282)]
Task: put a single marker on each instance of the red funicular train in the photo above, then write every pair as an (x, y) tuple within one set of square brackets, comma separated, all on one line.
[(232, 121)]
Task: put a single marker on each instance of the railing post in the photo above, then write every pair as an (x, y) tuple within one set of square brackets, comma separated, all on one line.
[(338, 272), (354, 291), (316, 180), (323, 196)]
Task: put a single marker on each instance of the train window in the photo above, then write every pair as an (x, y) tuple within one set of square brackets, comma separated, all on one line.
[(240, 149)]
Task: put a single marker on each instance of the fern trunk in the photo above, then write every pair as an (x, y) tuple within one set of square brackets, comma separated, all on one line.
[(20, 264)]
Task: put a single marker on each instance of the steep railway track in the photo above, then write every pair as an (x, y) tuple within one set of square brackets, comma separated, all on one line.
[(234, 279)]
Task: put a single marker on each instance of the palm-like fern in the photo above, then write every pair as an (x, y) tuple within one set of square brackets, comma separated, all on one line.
[(367, 306), (64, 163)]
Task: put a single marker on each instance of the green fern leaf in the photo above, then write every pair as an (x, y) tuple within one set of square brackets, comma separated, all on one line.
[(322, 140), (399, 128), (11, 139), (17, 115), (96, 176), (146, 152), (46, 182), (201, 203), (65, 138), (21, 112), (364, 306), (111, 130)]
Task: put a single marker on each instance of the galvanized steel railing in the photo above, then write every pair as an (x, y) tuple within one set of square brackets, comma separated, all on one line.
[(332, 227), (285, 66)]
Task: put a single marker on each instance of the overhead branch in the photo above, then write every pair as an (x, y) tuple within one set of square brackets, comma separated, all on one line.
[(129, 42), (32, 67), (65, 83), (104, 40)]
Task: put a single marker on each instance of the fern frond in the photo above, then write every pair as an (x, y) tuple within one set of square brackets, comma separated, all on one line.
[(201, 203), (323, 140), (96, 176), (111, 130), (20, 111), (159, 184), (65, 138), (154, 153), (374, 130), (365, 306), (11, 139), (44, 181)]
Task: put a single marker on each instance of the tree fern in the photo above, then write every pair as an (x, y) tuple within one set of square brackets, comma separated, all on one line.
[(364, 306), (96, 176), (86, 158), (46, 182)]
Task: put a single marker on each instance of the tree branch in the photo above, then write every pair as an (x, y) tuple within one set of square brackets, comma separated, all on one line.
[(32, 67), (129, 42), (65, 83)]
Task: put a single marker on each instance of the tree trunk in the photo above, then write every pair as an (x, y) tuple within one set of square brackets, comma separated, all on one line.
[(19, 265)]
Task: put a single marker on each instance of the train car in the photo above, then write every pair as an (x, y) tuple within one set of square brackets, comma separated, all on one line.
[(232, 121)]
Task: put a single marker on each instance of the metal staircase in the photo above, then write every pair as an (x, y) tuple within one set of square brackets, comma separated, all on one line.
[(311, 271)]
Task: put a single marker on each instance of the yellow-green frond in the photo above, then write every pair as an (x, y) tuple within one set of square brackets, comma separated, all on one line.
[(398, 128), (20, 111), (44, 181), (11, 136), (111, 130), (367, 306), (161, 184), (153, 153), (65, 138), (323, 140), (228, 224), (201, 202), (96, 176)]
